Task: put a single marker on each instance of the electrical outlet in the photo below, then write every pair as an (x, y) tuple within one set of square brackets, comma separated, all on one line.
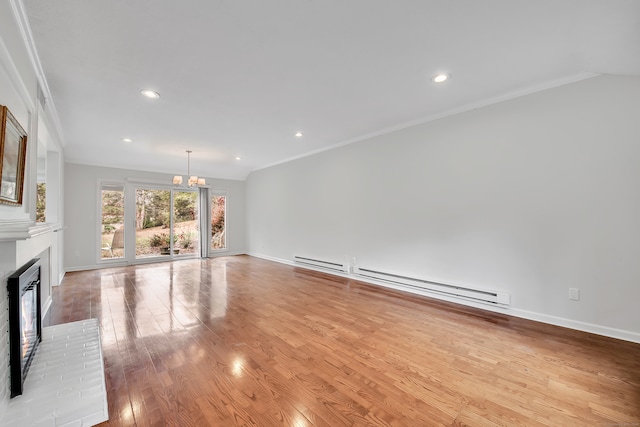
[(574, 294)]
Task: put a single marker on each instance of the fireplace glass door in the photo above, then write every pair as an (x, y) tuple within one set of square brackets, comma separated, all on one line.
[(29, 321), (25, 326)]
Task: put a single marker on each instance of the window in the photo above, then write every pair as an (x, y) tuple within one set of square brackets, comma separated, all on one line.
[(41, 179), (218, 222), (41, 202), (112, 226)]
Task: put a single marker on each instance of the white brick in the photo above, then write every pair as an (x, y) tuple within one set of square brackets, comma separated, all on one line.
[(66, 380)]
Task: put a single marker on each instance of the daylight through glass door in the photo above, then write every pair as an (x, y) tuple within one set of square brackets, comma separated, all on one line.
[(166, 223), (186, 230), (112, 222)]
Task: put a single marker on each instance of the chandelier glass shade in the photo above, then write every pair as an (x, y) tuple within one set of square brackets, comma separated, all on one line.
[(192, 180)]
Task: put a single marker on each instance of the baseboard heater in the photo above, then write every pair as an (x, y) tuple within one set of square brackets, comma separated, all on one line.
[(493, 297), (327, 265)]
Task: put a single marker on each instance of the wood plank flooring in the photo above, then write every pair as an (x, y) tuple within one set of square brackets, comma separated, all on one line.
[(237, 341)]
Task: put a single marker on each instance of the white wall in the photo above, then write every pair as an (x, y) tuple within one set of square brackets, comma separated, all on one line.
[(81, 216), (17, 92), (14, 98), (20, 238), (530, 196)]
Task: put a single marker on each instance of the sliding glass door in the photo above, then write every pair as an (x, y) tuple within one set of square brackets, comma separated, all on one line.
[(166, 223), (112, 221), (160, 222), (186, 229)]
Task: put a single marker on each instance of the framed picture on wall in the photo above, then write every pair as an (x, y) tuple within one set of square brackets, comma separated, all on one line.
[(13, 153)]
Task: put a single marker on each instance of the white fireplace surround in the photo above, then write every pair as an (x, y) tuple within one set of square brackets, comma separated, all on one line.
[(21, 241)]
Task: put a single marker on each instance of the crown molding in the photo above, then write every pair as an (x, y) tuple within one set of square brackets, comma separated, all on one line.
[(462, 109), (14, 75), (22, 21)]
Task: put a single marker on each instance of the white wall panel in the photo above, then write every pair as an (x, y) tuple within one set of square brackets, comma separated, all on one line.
[(530, 196)]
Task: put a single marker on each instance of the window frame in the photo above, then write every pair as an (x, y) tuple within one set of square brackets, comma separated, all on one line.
[(116, 186)]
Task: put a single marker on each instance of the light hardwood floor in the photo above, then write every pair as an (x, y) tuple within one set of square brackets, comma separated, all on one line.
[(243, 341)]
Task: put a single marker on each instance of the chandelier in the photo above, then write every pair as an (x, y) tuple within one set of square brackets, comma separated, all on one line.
[(192, 179)]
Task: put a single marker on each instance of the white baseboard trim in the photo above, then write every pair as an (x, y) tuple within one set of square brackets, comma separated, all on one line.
[(47, 306), (577, 325), (482, 305), (274, 259), (84, 267), (223, 253), (516, 312)]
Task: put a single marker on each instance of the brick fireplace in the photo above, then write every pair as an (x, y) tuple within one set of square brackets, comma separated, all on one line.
[(20, 242)]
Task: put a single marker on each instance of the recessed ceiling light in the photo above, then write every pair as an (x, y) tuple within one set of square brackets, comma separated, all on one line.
[(127, 140), (298, 134), (238, 158), (440, 78), (150, 93)]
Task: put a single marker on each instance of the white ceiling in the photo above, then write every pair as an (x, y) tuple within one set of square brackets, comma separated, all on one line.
[(240, 77)]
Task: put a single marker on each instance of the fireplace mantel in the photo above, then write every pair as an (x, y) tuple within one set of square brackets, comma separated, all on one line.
[(21, 241), (14, 230)]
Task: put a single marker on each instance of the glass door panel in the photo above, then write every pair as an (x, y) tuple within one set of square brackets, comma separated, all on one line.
[(186, 229), (112, 221), (153, 223)]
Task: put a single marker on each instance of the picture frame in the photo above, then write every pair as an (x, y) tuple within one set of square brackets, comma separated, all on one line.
[(13, 154)]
